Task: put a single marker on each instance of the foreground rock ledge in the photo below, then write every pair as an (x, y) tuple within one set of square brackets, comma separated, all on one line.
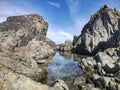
[(13, 81)]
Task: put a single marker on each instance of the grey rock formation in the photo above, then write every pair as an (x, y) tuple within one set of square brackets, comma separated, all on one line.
[(66, 46), (101, 27), (101, 63), (19, 30), (22, 47), (22, 43)]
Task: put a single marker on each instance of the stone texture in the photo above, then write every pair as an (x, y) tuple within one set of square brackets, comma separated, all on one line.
[(10, 80), (22, 43), (60, 85), (13, 81), (22, 46), (97, 32), (19, 30), (51, 43)]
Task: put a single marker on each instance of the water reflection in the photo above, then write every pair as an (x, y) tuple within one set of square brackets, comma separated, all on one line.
[(66, 55), (65, 68)]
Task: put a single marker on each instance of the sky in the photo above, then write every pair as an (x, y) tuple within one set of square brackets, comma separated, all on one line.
[(66, 18)]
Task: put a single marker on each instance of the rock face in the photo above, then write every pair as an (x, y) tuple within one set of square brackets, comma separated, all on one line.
[(101, 27), (19, 30), (100, 37), (22, 44), (22, 48), (16, 36)]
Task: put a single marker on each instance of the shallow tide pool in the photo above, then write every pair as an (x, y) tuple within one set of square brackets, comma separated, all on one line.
[(65, 68)]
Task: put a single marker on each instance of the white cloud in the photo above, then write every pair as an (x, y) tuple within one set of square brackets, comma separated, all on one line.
[(57, 5), (11, 9), (79, 21), (59, 35), (73, 6)]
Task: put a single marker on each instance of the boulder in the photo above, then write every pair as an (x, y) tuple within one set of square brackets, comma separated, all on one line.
[(17, 31), (101, 63), (22, 43)]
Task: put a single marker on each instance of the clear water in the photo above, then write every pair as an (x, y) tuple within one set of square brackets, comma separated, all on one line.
[(65, 68)]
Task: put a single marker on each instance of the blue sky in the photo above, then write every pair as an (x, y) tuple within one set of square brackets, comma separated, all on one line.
[(65, 17)]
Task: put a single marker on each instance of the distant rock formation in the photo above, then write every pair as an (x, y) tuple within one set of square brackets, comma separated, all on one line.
[(65, 47), (101, 27)]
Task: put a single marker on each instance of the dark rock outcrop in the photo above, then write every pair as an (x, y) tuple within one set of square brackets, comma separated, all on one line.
[(100, 37), (97, 32)]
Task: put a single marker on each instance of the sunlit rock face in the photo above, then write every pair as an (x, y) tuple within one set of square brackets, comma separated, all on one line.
[(100, 28), (19, 30), (22, 43)]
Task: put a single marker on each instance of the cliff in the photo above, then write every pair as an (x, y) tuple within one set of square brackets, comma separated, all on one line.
[(97, 32)]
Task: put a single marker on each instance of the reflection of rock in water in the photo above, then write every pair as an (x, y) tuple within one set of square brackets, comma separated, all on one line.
[(43, 78), (65, 68), (66, 55), (78, 57)]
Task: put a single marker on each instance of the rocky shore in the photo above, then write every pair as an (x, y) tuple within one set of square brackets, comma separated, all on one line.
[(23, 50), (100, 40)]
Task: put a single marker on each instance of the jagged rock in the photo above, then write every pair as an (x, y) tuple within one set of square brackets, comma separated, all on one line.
[(97, 32), (22, 44), (19, 30), (100, 63), (67, 46)]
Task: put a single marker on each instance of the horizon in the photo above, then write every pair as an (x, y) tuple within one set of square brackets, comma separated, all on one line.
[(66, 18)]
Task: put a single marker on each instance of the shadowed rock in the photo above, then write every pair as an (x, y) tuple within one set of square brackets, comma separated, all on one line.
[(100, 28)]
